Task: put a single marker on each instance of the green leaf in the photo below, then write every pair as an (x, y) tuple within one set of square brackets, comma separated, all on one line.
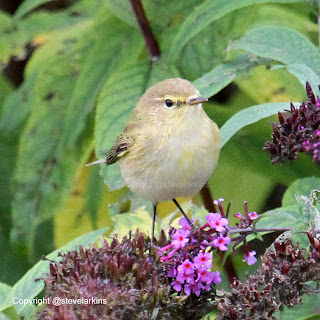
[(37, 28), (248, 116), (27, 6), (4, 291), (57, 137), (307, 310), (301, 187), (222, 75), (103, 57), (285, 45), (28, 288), (9, 313), (304, 74), (118, 97), (286, 217), (52, 79), (205, 14), (17, 107)]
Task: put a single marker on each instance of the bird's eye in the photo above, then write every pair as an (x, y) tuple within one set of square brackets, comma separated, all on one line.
[(169, 103)]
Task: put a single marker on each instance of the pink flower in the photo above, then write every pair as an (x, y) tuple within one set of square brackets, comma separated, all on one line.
[(253, 215), (216, 222), (250, 258), (177, 285), (186, 267), (194, 288), (180, 238), (216, 278), (205, 276), (172, 272), (183, 277), (221, 242), (203, 259), (183, 222)]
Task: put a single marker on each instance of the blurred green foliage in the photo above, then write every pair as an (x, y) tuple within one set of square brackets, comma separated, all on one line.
[(87, 66)]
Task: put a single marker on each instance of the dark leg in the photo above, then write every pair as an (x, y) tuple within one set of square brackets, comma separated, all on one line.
[(178, 206), (153, 223)]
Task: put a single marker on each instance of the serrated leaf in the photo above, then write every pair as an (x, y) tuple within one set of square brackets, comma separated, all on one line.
[(223, 74), (248, 116), (309, 211), (300, 187), (286, 217), (286, 45), (205, 14), (27, 288)]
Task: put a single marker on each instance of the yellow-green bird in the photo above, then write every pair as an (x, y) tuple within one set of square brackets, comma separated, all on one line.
[(169, 147)]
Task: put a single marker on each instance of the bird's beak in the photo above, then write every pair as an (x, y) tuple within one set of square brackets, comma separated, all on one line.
[(196, 100)]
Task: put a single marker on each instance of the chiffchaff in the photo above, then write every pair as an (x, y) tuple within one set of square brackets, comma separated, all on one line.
[(169, 147)]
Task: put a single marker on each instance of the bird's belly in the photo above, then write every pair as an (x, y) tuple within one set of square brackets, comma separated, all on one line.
[(174, 169)]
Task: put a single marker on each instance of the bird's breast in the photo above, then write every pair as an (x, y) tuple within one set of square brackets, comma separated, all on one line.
[(175, 162)]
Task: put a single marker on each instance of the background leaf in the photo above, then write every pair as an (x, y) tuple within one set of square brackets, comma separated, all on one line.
[(248, 116), (298, 188), (64, 95), (222, 75), (285, 45), (205, 14), (27, 6)]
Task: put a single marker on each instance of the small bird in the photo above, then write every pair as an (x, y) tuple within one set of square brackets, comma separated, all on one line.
[(169, 147)]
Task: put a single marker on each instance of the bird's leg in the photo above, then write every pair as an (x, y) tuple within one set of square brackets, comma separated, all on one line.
[(183, 213), (153, 223)]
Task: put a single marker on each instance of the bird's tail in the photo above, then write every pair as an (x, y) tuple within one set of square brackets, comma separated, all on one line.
[(96, 162)]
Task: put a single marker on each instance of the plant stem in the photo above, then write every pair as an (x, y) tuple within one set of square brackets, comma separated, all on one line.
[(144, 25), (253, 230)]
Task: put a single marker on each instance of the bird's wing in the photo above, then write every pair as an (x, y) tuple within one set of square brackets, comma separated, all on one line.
[(118, 150)]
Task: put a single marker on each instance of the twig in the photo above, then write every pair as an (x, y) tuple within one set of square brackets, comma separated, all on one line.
[(144, 25), (253, 230)]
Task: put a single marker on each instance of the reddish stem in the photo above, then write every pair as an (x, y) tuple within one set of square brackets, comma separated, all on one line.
[(144, 25)]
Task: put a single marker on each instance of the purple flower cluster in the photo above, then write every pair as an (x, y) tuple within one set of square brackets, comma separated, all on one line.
[(298, 130), (283, 278), (189, 253)]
